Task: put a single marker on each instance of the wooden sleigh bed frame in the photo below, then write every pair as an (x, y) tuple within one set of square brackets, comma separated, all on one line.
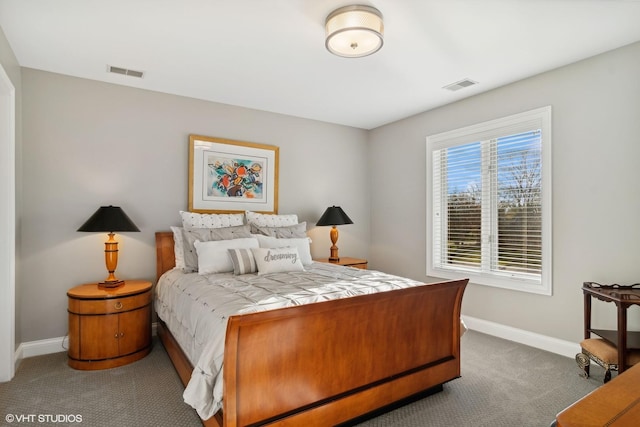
[(328, 363)]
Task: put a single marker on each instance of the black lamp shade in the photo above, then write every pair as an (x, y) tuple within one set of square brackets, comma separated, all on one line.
[(334, 215), (109, 219)]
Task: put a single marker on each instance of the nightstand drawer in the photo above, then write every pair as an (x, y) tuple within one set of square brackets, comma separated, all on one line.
[(347, 262), (108, 306), (362, 265)]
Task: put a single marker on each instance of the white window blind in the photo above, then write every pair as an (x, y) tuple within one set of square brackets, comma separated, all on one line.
[(489, 203)]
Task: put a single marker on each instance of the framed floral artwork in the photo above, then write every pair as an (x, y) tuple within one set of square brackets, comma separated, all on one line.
[(232, 176)]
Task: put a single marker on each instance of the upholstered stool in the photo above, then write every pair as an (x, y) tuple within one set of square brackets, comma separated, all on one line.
[(604, 354)]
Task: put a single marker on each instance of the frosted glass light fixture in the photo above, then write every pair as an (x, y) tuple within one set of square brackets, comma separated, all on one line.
[(354, 31)]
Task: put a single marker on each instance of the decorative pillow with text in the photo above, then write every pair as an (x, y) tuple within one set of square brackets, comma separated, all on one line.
[(277, 260), (302, 244)]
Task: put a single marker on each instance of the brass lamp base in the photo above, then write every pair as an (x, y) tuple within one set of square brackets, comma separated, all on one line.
[(111, 284), (333, 234), (111, 260)]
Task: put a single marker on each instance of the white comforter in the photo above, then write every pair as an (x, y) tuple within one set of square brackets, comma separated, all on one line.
[(196, 309)]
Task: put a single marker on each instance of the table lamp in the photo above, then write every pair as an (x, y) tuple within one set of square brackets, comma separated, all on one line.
[(333, 216), (109, 219)]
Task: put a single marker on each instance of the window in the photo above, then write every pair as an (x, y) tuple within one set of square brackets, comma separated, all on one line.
[(489, 203)]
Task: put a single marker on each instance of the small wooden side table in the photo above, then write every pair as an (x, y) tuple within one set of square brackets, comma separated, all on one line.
[(623, 297), (347, 261), (109, 327)]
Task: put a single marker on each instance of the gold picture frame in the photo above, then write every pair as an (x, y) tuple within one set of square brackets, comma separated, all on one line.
[(227, 176)]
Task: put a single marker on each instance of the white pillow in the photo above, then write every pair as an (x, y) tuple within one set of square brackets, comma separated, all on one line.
[(300, 243), (270, 220), (178, 247), (277, 260), (198, 220), (213, 256)]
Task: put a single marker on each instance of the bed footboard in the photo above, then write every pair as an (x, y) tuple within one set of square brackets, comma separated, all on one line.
[(326, 363)]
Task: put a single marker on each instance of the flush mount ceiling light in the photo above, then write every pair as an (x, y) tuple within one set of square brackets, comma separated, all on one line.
[(354, 31)]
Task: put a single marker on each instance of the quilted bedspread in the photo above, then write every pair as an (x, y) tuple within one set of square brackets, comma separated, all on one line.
[(196, 308)]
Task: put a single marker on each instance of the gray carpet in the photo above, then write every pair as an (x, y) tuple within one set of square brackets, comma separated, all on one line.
[(502, 384)]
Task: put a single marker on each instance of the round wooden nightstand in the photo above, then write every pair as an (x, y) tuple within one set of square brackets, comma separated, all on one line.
[(109, 327)]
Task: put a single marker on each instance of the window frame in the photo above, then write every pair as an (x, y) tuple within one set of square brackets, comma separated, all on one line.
[(539, 118)]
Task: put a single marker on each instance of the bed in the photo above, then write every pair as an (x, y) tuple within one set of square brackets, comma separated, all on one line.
[(330, 362)]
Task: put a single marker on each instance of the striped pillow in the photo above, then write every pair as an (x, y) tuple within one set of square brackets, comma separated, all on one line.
[(243, 261)]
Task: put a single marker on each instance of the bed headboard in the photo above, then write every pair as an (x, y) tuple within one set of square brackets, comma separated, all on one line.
[(165, 258)]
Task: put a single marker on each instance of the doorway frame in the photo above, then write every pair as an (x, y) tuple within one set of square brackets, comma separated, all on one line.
[(7, 226)]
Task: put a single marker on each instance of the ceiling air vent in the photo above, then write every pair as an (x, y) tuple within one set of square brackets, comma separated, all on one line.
[(460, 85), (125, 72)]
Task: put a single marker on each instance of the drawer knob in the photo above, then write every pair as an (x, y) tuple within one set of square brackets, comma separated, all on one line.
[(118, 305)]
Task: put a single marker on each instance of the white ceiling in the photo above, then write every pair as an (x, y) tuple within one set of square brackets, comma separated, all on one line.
[(270, 54)]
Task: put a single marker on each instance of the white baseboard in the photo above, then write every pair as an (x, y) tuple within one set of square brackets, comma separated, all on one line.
[(542, 342), (48, 346), (40, 347)]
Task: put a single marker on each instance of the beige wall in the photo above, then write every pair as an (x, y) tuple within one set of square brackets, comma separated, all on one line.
[(596, 193), (88, 144)]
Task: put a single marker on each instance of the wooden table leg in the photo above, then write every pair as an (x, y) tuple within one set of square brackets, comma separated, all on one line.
[(622, 337)]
